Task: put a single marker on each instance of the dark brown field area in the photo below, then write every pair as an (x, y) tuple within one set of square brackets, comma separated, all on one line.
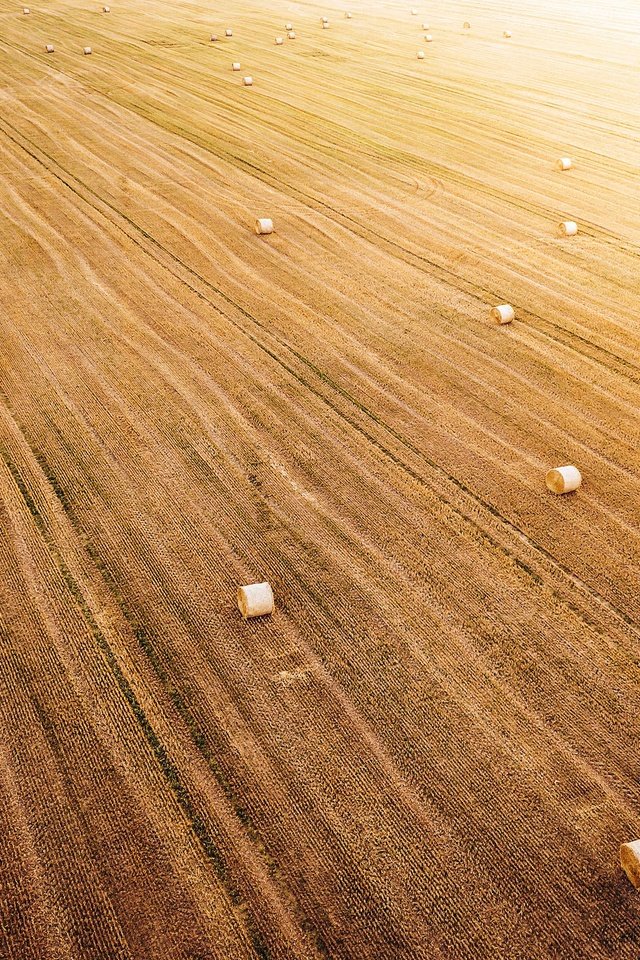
[(431, 749)]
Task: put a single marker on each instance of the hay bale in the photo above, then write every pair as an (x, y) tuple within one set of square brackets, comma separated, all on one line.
[(247, 81), (106, 9), (503, 313), (291, 35), (228, 32), (414, 12), (348, 15), (630, 861), (426, 26), (235, 66), (255, 600), (279, 40), (428, 38), (563, 479), (86, 51), (568, 228), (49, 48), (565, 163), (420, 54), (507, 34), (325, 26), (25, 11), (214, 37), (288, 26), (264, 226), (324, 19), (466, 25)]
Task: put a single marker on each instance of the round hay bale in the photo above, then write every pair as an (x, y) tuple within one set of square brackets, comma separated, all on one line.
[(503, 313), (279, 40), (25, 11), (348, 15), (324, 19), (86, 51), (563, 479), (49, 48), (228, 32), (213, 37), (263, 226), (247, 81), (288, 26), (428, 38), (414, 12), (291, 35), (507, 34), (466, 25), (426, 26), (325, 26), (420, 54), (565, 163), (568, 228), (630, 861), (235, 66), (106, 9), (255, 600)]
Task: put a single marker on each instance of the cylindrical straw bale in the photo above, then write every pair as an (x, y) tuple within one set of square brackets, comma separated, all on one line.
[(565, 163), (25, 10), (563, 479), (248, 81), (503, 313), (420, 54), (568, 228), (49, 48), (466, 25), (324, 19), (255, 600), (325, 26), (228, 32), (291, 35), (106, 9), (279, 40), (235, 66), (86, 51), (428, 38), (507, 34), (264, 225), (414, 12), (214, 37), (348, 15), (630, 861), (288, 26), (426, 26)]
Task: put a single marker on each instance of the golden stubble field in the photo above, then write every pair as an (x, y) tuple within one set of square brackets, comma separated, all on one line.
[(431, 749)]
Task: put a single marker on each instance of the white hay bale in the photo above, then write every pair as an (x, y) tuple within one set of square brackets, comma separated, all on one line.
[(568, 228), (106, 9), (325, 26), (214, 37), (426, 26), (348, 15), (503, 313), (86, 51), (264, 226), (248, 81), (420, 54), (507, 34), (235, 66), (279, 40), (414, 12), (228, 32), (565, 163), (324, 19), (255, 600), (291, 35), (25, 11), (49, 48), (466, 25), (563, 479), (630, 861), (288, 26), (428, 38)]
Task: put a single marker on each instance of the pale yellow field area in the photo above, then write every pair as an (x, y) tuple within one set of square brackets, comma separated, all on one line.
[(431, 748)]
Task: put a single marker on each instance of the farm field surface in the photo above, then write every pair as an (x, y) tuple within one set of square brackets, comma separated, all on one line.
[(430, 750)]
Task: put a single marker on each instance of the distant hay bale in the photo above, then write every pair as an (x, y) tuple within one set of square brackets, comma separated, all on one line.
[(420, 54), (106, 9), (288, 26), (255, 600), (348, 15), (630, 861), (565, 163), (414, 12), (228, 32), (466, 25), (264, 226), (235, 66), (563, 479), (248, 81), (507, 34), (25, 11), (291, 35), (324, 19), (428, 38), (49, 48), (214, 37), (426, 26), (86, 51), (568, 228), (325, 26), (279, 40), (503, 313)]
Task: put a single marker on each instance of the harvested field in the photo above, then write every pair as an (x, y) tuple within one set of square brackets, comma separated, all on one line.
[(430, 750)]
